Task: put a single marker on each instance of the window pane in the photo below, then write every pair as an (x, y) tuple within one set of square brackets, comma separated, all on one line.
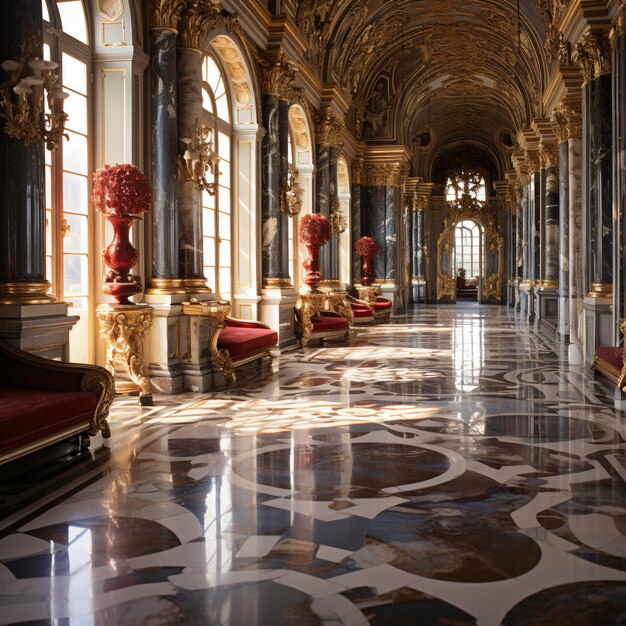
[(48, 178), (75, 275), (75, 154), (76, 238), (73, 19), (44, 11), (222, 108), (224, 254), (74, 74), (75, 197), (225, 282), (224, 170), (78, 304), (207, 104), (209, 251), (76, 108), (224, 197), (224, 225), (208, 222), (224, 147), (209, 274), (208, 201)]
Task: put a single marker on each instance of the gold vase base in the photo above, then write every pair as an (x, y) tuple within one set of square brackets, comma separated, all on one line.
[(26, 293), (166, 287), (601, 290)]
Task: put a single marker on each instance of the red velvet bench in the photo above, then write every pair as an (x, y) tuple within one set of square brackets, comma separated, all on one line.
[(314, 322), (44, 401), (609, 361), (361, 310), (382, 309)]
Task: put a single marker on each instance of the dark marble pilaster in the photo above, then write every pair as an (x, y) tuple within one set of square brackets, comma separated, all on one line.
[(619, 178), (270, 198), (512, 246), (563, 219), (22, 202), (600, 209), (164, 151), (373, 220), (551, 226), (189, 67), (391, 233), (332, 272), (519, 241), (418, 245), (535, 224), (283, 142), (526, 244), (323, 200), (356, 229)]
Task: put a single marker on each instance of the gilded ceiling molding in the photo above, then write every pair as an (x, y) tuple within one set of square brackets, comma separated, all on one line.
[(165, 14), (328, 127), (315, 20), (382, 174), (278, 74), (593, 55)]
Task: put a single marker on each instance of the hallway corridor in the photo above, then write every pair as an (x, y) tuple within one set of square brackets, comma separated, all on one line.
[(445, 469)]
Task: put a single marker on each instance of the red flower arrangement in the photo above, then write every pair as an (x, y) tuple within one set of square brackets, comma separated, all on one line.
[(366, 246), (121, 190), (314, 229)]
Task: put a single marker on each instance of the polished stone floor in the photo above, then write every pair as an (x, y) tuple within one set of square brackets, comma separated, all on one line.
[(446, 469)]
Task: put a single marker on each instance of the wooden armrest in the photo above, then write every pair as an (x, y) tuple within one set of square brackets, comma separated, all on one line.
[(239, 323)]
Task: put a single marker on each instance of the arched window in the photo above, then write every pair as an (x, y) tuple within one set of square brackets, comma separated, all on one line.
[(68, 218), (217, 209), (467, 248)]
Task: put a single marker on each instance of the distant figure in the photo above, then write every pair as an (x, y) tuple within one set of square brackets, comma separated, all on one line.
[(460, 278)]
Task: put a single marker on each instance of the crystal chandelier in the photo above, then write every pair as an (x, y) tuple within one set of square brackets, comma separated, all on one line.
[(22, 105), (291, 196), (199, 158)]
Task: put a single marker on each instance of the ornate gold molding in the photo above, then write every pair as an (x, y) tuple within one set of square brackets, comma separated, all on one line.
[(356, 171), (166, 14), (567, 122), (26, 293), (328, 127), (549, 155), (382, 174), (165, 286), (278, 74), (421, 202), (592, 53)]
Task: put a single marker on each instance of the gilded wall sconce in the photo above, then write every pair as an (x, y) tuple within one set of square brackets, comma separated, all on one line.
[(28, 116), (291, 196), (199, 158)]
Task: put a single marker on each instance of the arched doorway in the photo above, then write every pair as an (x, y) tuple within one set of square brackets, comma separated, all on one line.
[(468, 259)]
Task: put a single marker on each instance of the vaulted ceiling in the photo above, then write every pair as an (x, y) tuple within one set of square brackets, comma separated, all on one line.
[(458, 74)]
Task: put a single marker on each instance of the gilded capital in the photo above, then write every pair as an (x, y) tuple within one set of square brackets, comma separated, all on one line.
[(533, 161), (165, 14), (571, 119), (328, 127), (195, 23), (421, 202), (549, 155), (558, 119), (593, 55), (382, 175), (356, 170), (278, 74)]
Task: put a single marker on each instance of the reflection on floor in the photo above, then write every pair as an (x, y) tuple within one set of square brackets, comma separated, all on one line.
[(444, 469)]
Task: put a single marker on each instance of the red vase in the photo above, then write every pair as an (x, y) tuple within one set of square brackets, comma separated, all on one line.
[(366, 275), (312, 265), (120, 257)]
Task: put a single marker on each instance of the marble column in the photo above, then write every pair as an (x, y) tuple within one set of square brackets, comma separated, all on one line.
[(391, 233), (273, 223), (373, 221), (163, 106), (551, 227), (536, 227), (22, 192), (563, 252), (600, 209), (355, 200), (526, 244), (323, 200), (519, 240), (576, 280), (191, 269), (418, 245), (283, 218), (512, 246), (332, 270)]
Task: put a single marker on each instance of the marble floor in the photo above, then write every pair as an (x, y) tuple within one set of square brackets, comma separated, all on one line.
[(446, 469)]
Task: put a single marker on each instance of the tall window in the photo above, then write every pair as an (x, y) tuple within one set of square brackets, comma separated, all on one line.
[(467, 248), (216, 210), (68, 219)]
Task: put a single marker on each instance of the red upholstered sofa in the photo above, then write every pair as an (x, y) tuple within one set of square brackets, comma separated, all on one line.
[(314, 322), (44, 401), (361, 311), (609, 361)]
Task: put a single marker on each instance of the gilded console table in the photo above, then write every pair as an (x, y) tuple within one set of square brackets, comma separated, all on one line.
[(123, 326)]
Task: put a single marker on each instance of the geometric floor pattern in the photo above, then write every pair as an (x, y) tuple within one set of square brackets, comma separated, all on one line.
[(446, 469)]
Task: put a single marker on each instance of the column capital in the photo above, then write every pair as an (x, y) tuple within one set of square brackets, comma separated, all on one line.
[(195, 22), (328, 127), (592, 53), (567, 119), (382, 174), (278, 74), (549, 155), (165, 14)]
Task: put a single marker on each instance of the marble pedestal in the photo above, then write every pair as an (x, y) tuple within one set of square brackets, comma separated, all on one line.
[(277, 311), (41, 329), (547, 308), (598, 326), (391, 292), (419, 291)]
